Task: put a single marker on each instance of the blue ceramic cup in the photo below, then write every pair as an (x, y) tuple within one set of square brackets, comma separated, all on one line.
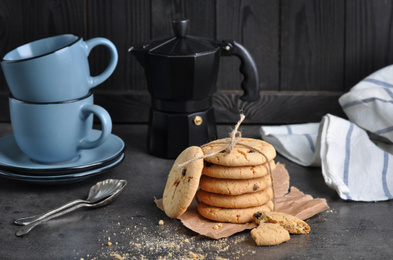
[(56, 132), (54, 69)]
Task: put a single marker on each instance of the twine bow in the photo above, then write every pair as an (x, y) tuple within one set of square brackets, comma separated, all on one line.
[(234, 138), (235, 135)]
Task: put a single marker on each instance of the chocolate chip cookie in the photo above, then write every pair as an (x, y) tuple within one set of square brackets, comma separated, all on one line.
[(232, 215), (234, 187), (182, 182), (244, 153)]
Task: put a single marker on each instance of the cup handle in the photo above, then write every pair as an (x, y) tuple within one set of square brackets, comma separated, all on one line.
[(96, 80), (106, 125)]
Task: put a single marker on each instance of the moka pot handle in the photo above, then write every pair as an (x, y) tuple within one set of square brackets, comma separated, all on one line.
[(248, 68)]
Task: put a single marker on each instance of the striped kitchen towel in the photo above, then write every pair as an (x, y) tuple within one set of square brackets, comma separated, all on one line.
[(355, 155), (296, 142), (369, 104)]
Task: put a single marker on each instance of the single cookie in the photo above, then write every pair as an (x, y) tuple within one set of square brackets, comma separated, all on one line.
[(236, 201), (234, 187), (243, 154), (269, 234), (293, 224), (238, 172), (183, 182), (232, 215)]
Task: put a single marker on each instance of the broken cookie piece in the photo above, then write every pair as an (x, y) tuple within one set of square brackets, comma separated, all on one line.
[(269, 234), (293, 224)]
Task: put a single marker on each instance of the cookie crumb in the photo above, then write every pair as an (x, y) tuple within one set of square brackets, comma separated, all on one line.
[(117, 256), (109, 243), (164, 243), (192, 255), (161, 222), (219, 225)]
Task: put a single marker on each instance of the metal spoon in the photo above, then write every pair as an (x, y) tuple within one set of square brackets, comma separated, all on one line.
[(101, 194), (97, 192)]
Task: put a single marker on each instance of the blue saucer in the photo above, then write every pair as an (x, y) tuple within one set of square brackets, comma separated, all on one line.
[(13, 160), (62, 179)]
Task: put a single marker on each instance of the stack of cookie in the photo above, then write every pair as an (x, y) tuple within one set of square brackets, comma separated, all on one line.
[(235, 185)]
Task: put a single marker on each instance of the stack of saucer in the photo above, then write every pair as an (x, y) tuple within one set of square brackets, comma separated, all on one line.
[(14, 164)]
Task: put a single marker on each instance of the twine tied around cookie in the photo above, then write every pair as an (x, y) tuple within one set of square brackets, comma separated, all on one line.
[(235, 137)]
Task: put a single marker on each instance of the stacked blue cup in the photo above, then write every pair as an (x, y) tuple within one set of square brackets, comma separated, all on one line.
[(51, 103)]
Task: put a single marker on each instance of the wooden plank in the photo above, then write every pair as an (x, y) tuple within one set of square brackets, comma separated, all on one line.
[(124, 23), (199, 12), (254, 24), (278, 107), (312, 45), (126, 107), (272, 108), (52, 17), (369, 38), (27, 20), (10, 31)]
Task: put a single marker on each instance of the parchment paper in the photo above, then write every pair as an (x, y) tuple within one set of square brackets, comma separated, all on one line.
[(293, 202)]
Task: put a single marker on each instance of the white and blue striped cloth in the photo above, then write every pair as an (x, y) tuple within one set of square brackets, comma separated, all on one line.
[(356, 155)]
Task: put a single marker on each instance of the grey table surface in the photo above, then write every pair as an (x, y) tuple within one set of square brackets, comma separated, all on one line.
[(348, 230)]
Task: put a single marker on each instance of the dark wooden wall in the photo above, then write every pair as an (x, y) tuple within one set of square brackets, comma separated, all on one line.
[(308, 52)]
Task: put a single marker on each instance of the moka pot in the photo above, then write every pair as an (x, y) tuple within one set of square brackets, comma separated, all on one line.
[(181, 73)]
